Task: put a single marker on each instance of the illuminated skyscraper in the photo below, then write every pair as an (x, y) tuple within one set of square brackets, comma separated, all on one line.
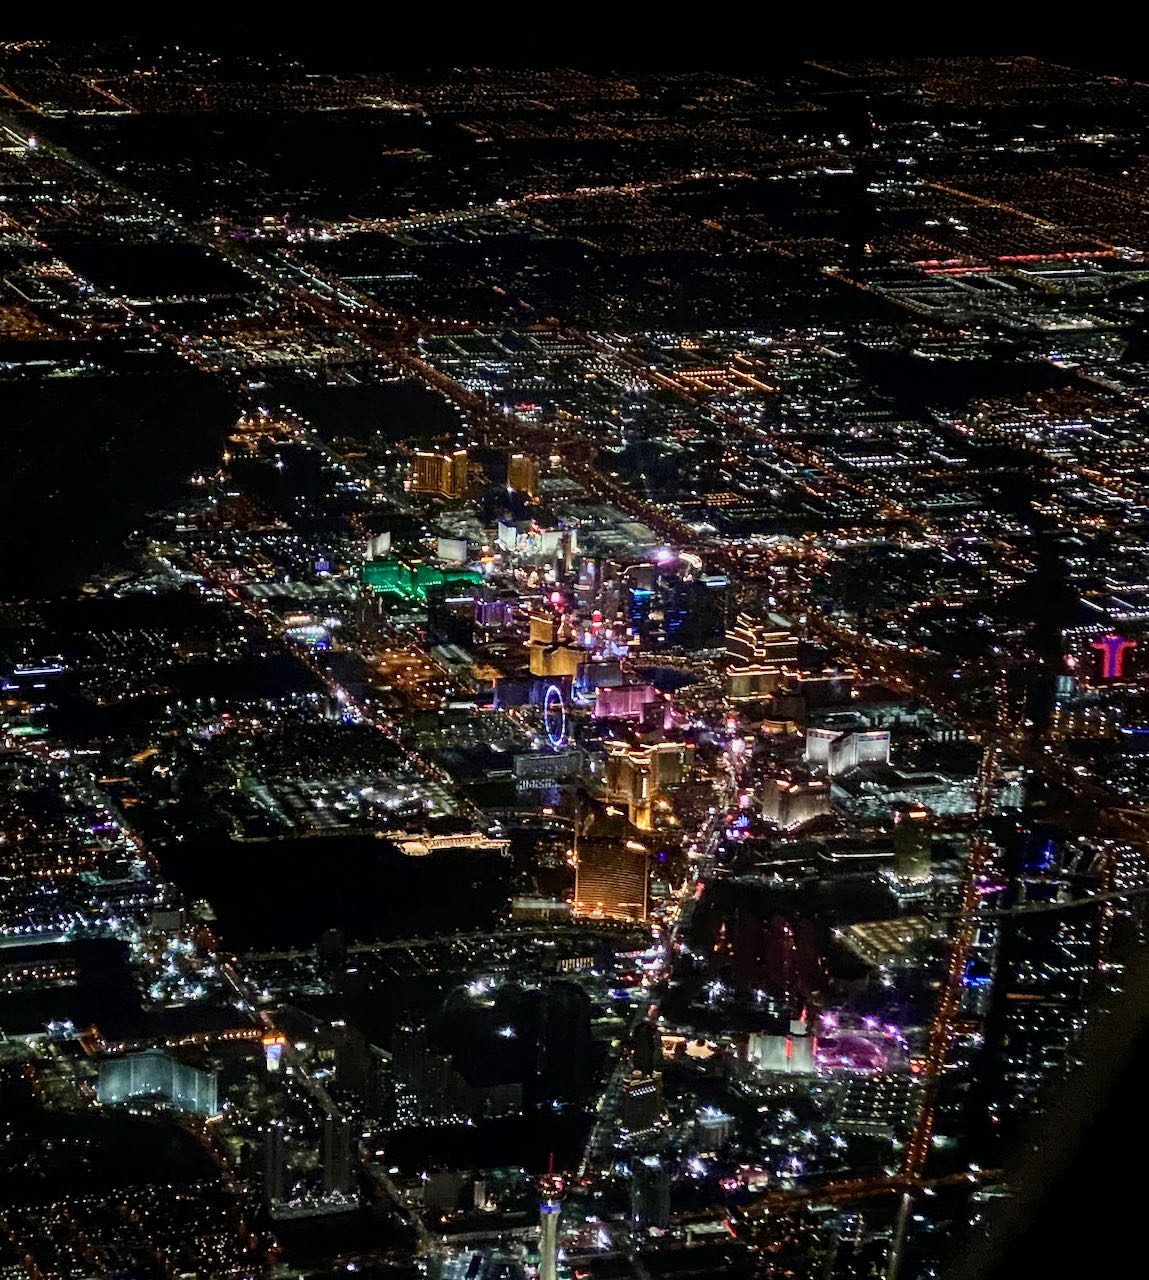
[(523, 474), (444, 474), (612, 871), (839, 752), (758, 655), (750, 643), (550, 652), (637, 776), (790, 802), (640, 1106)]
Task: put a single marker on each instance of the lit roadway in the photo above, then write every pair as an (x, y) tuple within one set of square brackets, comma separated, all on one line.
[(850, 1190), (942, 1029), (575, 929)]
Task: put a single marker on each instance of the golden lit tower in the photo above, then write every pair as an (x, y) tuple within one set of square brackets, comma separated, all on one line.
[(612, 870), (523, 474), (444, 474)]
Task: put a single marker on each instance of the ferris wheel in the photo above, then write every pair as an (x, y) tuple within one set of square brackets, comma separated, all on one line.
[(555, 716)]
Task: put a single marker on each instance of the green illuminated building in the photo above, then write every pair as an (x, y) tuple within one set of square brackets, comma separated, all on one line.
[(412, 581)]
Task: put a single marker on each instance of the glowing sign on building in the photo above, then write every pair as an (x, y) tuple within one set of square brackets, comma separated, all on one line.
[(273, 1047), (1112, 650)]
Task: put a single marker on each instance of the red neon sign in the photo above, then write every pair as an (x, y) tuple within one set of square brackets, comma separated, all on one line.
[(1112, 650)]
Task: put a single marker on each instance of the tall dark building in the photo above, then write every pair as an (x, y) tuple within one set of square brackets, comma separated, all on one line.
[(912, 841), (423, 1075), (565, 1062), (332, 952), (694, 612), (780, 956), (274, 1163), (450, 615), (640, 1107), (649, 1194), (338, 1169), (380, 1100), (645, 1048), (352, 1060)]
